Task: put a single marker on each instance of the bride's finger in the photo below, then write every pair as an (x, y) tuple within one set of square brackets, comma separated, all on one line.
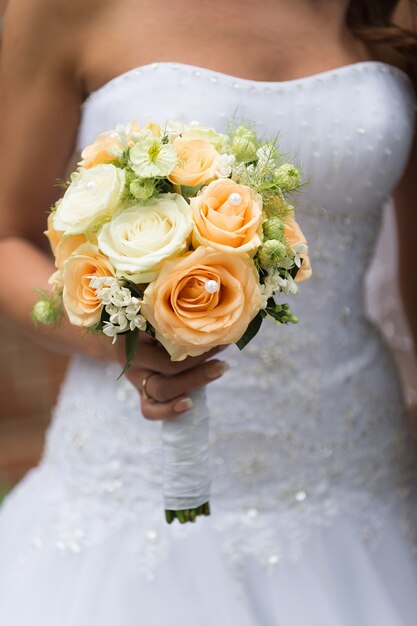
[(152, 356), (155, 411), (164, 389)]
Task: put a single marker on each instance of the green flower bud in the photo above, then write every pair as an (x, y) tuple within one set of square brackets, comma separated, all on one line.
[(244, 144), (143, 189), (288, 177), (274, 228), (44, 312), (271, 253), (267, 155)]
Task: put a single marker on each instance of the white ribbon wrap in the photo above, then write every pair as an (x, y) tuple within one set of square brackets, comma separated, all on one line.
[(185, 452)]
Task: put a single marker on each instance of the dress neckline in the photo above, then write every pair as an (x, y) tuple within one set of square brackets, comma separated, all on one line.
[(197, 70)]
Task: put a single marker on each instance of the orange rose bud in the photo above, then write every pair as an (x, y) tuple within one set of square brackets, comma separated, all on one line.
[(197, 162), (228, 217)]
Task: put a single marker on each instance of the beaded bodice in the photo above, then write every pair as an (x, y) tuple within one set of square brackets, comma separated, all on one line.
[(308, 424)]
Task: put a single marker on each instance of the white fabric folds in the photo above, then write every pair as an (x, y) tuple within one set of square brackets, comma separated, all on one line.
[(186, 463)]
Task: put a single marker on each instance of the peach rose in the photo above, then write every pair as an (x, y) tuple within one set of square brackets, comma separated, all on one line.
[(80, 299), (228, 217), (294, 235), (62, 247), (105, 149), (109, 145), (66, 247), (204, 299), (197, 162)]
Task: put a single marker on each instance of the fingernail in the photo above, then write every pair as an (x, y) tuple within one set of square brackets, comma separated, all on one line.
[(183, 405), (217, 369)]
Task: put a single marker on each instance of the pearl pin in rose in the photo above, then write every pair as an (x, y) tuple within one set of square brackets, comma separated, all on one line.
[(212, 286), (235, 198)]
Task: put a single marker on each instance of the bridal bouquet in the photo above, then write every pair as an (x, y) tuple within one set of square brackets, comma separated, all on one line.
[(186, 234)]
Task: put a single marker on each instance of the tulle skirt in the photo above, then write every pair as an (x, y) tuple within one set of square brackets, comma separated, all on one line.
[(340, 578)]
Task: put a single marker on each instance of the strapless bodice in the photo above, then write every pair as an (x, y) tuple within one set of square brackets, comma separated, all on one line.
[(349, 128), (309, 421)]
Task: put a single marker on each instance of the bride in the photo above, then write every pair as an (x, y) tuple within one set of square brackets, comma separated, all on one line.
[(314, 466)]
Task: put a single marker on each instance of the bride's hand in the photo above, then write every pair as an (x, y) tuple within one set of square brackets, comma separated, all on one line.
[(168, 383)]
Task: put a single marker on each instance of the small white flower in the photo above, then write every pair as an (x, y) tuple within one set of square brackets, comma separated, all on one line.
[(131, 311), (95, 283), (300, 248), (121, 307), (111, 309), (266, 293), (138, 322), (110, 330), (119, 319), (122, 131), (225, 163), (287, 285), (273, 285)]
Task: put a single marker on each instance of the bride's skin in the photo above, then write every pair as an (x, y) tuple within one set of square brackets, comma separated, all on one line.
[(55, 52)]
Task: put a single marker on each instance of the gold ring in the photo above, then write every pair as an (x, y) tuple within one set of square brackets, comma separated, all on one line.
[(145, 394)]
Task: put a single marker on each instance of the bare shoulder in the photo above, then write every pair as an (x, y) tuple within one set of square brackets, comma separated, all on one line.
[(45, 35), (43, 15), (41, 95)]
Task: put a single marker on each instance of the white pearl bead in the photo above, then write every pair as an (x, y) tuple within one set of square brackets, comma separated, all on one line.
[(300, 496), (91, 185), (235, 198), (152, 535), (212, 286)]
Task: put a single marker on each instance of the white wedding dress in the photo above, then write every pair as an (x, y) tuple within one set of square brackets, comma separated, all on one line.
[(314, 499)]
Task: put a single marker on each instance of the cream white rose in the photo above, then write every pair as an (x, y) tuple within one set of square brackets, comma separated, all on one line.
[(139, 239), (92, 197)]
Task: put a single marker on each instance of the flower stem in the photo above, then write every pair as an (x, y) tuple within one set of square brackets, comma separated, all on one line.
[(188, 515)]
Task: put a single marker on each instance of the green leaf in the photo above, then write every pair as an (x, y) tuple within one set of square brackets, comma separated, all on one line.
[(190, 192), (131, 341), (251, 330)]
